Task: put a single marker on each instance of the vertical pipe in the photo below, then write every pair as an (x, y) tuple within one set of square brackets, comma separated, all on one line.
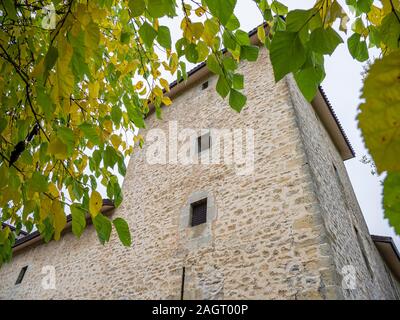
[(183, 283)]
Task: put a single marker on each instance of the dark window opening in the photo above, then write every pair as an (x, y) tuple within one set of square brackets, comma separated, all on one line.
[(199, 212), (203, 142), (204, 85), (21, 275), (363, 252), (341, 186)]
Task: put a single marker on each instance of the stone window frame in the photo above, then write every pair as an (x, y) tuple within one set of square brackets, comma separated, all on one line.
[(193, 237)]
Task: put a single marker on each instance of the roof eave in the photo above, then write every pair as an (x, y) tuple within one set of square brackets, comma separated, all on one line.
[(389, 253), (35, 237)]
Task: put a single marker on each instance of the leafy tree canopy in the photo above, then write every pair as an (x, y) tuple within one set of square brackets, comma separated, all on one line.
[(79, 75)]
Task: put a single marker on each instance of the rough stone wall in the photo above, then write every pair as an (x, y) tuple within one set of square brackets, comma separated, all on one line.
[(269, 236), (344, 223)]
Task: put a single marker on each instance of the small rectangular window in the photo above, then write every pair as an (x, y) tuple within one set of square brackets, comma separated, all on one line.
[(199, 212), (21, 275), (203, 142), (204, 85)]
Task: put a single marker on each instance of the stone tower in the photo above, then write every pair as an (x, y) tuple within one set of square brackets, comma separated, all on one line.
[(282, 224)]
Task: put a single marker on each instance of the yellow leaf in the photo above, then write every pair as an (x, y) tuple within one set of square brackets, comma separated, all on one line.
[(38, 70), (261, 33), (379, 118), (199, 11), (53, 190), (115, 140), (157, 91), (45, 208), (95, 203), (108, 125), (164, 83), (60, 220), (58, 149), (211, 28), (166, 100), (375, 15), (139, 85), (94, 90), (197, 29), (65, 77)]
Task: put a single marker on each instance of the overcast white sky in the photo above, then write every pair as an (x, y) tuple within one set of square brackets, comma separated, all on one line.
[(342, 85)]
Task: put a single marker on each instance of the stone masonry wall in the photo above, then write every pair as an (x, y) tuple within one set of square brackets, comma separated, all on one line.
[(269, 235), (342, 216)]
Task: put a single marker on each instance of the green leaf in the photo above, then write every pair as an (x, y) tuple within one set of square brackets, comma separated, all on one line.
[(103, 228), (279, 8), (3, 124), (92, 37), (297, 19), (228, 40), (357, 48), (117, 194), (233, 23), (116, 114), (38, 183), (202, 50), (249, 53), (50, 60), (78, 219), (66, 135), (191, 53), (308, 80), (237, 100), (46, 229), (391, 199), (390, 30), (164, 37), (137, 7), (44, 101), (160, 8), (324, 41), (222, 9), (360, 6), (223, 86), (287, 53), (242, 38), (79, 67), (213, 65), (135, 115), (90, 132), (123, 231), (110, 157), (148, 34), (125, 37), (238, 81), (229, 63), (10, 9), (279, 24)]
